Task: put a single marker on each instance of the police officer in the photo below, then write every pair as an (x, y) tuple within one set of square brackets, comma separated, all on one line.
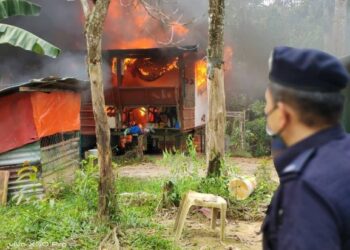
[(311, 208)]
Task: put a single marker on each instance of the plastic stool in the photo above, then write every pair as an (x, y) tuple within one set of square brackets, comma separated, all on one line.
[(202, 200)]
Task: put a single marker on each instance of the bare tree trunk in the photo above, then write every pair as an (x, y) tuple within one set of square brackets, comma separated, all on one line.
[(95, 16), (339, 27), (215, 128)]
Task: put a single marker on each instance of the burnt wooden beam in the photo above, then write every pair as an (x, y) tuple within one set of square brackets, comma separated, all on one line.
[(152, 52)]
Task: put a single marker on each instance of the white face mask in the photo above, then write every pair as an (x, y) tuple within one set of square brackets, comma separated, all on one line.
[(269, 131)]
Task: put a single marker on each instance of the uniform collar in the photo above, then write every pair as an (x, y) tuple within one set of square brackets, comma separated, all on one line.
[(316, 140)]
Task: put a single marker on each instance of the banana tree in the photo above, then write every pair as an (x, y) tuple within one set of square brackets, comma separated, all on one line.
[(19, 37)]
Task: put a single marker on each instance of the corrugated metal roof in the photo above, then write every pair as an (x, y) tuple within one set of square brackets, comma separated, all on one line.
[(48, 83), (30, 153)]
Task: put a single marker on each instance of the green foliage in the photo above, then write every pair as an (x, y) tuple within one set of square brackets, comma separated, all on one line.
[(214, 185), (142, 231), (234, 132), (19, 37), (183, 163), (257, 109), (151, 241), (10, 8), (57, 190), (184, 168), (86, 182), (67, 218), (258, 142)]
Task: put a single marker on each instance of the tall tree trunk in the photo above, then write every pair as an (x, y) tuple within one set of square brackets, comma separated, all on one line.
[(95, 17), (215, 128), (339, 27)]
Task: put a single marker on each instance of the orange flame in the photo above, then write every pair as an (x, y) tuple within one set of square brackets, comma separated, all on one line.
[(114, 65), (201, 74), (131, 26), (128, 62), (142, 111)]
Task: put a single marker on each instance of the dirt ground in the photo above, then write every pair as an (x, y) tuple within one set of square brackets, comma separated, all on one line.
[(247, 166), (144, 170), (240, 235)]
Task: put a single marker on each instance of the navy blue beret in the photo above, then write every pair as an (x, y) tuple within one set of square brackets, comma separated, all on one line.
[(307, 69)]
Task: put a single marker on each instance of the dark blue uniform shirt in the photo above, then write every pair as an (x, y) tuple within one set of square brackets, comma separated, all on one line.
[(311, 208)]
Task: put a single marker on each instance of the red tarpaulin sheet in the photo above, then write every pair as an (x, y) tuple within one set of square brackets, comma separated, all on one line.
[(27, 117), (56, 112), (17, 126)]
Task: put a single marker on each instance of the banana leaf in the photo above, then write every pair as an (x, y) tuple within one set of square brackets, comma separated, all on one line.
[(10, 8), (21, 38)]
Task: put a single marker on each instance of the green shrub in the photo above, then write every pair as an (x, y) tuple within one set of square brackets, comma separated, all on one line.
[(66, 216), (217, 186), (258, 142), (151, 241)]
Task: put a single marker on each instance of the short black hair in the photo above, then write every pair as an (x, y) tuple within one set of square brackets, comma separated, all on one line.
[(314, 108)]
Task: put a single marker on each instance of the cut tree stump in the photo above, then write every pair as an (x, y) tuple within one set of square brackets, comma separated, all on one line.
[(242, 187)]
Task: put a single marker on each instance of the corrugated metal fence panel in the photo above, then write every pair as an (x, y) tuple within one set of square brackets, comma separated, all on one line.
[(64, 154), (30, 153), (25, 186), (13, 161)]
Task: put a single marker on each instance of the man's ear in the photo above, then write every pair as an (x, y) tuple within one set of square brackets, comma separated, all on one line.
[(285, 113)]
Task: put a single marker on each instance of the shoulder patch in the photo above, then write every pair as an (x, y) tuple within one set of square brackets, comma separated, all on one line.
[(298, 164)]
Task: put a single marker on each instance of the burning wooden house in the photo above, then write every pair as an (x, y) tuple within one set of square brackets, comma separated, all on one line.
[(40, 123), (161, 91)]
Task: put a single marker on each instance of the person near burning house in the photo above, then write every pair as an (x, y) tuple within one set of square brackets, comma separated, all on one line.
[(311, 207)]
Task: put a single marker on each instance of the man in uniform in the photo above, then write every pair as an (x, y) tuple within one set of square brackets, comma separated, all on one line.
[(311, 208)]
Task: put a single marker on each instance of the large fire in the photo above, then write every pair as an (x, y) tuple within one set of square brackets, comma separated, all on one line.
[(201, 68), (147, 69), (128, 25), (201, 74)]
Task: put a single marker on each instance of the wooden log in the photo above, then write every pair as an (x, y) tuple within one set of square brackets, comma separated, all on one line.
[(4, 180), (242, 187)]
